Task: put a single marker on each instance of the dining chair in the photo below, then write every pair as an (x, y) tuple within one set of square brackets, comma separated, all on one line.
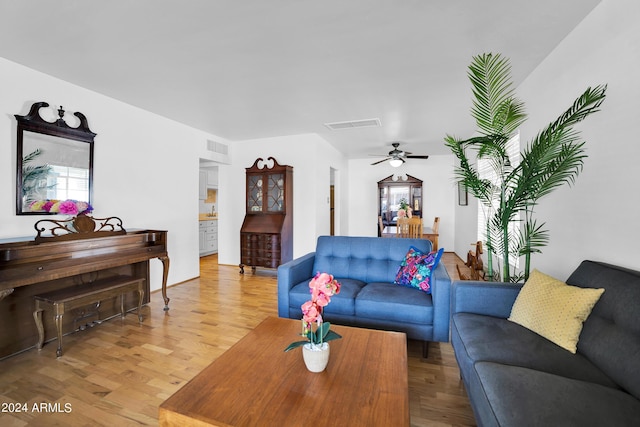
[(415, 228), (402, 227), (434, 239), (381, 227)]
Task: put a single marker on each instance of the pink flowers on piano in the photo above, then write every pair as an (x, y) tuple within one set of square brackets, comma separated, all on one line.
[(66, 207)]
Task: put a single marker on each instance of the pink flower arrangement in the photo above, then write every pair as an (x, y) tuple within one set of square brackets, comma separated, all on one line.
[(66, 207), (322, 287)]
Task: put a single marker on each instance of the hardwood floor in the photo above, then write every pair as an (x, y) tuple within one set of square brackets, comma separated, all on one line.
[(118, 373)]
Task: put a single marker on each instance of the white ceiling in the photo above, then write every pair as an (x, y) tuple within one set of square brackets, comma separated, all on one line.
[(253, 68)]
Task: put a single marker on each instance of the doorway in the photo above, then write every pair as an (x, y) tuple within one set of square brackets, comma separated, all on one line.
[(332, 210), (333, 201), (208, 208)]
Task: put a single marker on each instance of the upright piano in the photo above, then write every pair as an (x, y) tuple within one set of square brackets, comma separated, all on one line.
[(31, 266)]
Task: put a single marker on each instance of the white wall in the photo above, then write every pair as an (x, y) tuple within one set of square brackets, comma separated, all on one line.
[(596, 218), (311, 157), (466, 220), (438, 189), (137, 176)]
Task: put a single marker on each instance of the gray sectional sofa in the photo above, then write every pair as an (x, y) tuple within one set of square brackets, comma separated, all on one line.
[(515, 377), (366, 268)]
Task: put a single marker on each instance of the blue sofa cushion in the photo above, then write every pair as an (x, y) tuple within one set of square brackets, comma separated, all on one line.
[(342, 303), (363, 258), (492, 339), (611, 334), (526, 397), (395, 303)]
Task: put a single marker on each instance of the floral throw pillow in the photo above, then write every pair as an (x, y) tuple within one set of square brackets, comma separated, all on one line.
[(416, 269)]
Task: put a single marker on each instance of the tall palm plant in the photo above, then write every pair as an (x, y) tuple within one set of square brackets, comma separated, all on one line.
[(32, 175), (553, 158)]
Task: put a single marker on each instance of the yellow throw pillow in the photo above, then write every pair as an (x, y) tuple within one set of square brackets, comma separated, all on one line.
[(553, 309)]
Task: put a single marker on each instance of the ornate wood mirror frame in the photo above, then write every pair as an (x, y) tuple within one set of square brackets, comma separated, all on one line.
[(54, 163)]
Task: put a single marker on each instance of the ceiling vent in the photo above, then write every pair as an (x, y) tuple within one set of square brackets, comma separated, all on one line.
[(217, 147), (353, 124)]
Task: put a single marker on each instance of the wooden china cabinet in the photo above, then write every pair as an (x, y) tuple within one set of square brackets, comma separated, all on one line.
[(392, 190), (266, 236)]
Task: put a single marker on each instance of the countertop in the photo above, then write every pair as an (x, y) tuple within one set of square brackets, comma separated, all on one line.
[(206, 217)]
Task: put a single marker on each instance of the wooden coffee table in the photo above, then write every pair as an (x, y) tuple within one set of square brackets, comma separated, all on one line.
[(256, 383)]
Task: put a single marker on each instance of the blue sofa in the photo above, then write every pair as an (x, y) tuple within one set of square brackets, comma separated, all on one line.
[(366, 267), (515, 377)]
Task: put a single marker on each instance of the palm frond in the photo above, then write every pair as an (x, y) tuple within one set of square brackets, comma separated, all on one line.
[(556, 155), (493, 146), (497, 231), (494, 107), (33, 174), (467, 174), (489, 76), (586, 104), (511, 116), (532, 238), (31, 156)]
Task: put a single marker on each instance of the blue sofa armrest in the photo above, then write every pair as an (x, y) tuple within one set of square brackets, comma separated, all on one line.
[(488, 298), (441, 297), (289, 275)]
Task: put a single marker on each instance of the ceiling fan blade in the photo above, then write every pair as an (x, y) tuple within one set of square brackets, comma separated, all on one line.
[(417, 157), (380, 161)]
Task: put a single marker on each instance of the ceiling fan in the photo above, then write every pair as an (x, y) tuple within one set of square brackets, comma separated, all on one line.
[(397, 157)]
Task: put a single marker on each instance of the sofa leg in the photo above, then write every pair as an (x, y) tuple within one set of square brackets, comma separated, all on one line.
[(425, 349)]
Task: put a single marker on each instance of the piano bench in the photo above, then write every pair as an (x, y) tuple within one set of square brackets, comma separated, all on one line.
[(80, 295)]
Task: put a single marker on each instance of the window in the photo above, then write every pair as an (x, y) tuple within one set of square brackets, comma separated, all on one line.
[(396, 194), (66, 182), (487, 172)]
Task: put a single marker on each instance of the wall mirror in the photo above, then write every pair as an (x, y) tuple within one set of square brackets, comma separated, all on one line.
[(54, 169)]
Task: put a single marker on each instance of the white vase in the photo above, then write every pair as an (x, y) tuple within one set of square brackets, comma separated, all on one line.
[(316, 356)]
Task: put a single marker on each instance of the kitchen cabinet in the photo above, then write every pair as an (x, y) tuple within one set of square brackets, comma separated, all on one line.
[(208, 237), (212, 178), (207, 179), (202, 188)]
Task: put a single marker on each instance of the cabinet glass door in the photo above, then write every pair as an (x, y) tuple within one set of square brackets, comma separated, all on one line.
[(275, 192), (384, 205), (254, 193), (396, 196), (417, 201)]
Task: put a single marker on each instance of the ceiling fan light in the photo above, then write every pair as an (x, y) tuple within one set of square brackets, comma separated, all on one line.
[(395, 163)]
